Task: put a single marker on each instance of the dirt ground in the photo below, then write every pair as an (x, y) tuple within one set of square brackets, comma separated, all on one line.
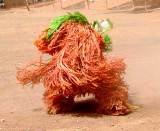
[(136, 38)]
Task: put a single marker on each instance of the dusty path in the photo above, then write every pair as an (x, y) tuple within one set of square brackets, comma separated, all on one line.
[(136, 37)]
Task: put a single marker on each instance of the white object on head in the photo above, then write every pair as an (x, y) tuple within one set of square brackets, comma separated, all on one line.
[(105, 24)]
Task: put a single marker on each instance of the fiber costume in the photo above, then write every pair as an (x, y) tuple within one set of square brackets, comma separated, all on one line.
[(77, 67)]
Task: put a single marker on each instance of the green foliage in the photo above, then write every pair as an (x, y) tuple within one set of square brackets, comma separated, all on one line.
[(57, 22), (107, 42), (110, 23), (99, 27)]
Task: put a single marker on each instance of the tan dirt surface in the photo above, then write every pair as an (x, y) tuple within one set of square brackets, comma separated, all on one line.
[(136, 38)]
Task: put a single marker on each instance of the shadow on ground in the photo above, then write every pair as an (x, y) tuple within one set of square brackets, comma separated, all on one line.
[(85, 108)]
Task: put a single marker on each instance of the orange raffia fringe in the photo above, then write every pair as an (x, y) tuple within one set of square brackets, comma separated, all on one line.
[(77, 65)]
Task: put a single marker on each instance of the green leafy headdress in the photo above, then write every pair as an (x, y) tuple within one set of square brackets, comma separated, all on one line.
[(57, 22)]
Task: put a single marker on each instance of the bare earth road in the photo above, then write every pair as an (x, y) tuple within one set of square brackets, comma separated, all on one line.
[(136, 37)]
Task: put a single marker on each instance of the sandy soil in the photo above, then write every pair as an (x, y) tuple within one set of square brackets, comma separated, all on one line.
[(136, 37)]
